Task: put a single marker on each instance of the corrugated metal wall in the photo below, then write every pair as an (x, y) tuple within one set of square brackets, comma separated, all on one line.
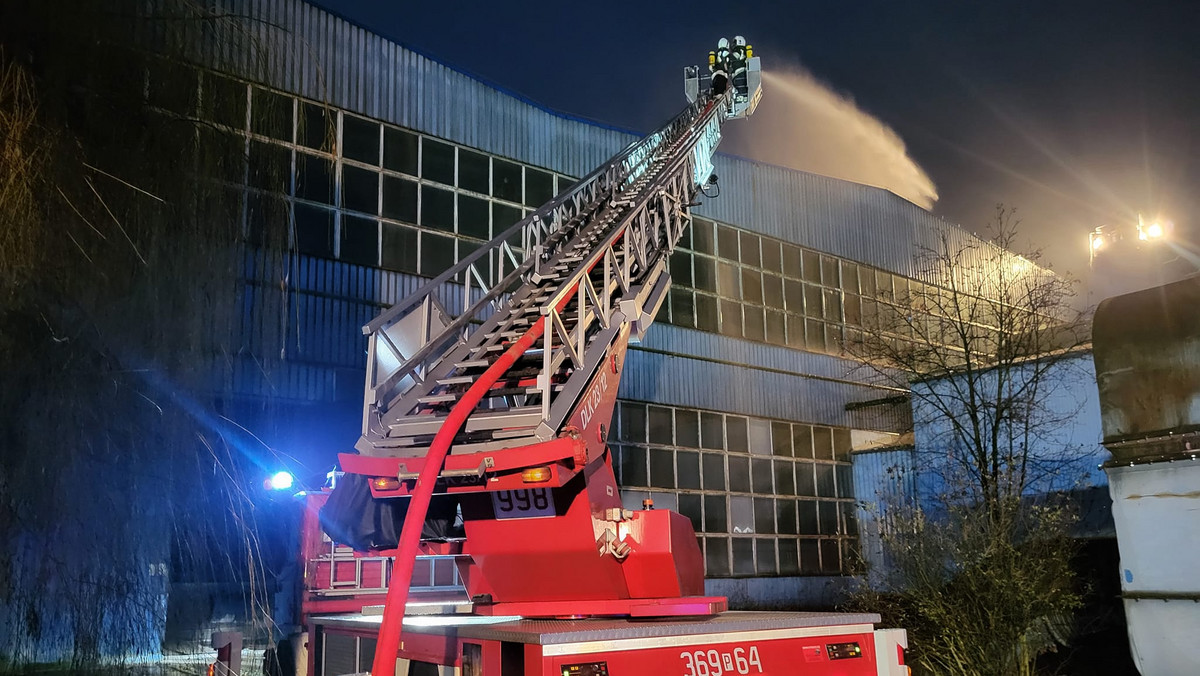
[(299, 48), (859, 222)]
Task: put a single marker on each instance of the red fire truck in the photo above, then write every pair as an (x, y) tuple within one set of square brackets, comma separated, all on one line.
[(489, 398)]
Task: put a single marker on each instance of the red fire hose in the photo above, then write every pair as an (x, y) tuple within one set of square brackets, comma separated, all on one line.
[(388, 645)]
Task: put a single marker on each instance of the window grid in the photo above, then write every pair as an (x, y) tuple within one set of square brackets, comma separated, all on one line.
[(773, 488), (438, 239)]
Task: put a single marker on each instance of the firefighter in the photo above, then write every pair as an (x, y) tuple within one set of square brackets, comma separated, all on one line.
[(718, 61), (736, 68)]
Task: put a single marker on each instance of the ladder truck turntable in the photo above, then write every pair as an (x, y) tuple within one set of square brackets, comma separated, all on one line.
[(493, 387)]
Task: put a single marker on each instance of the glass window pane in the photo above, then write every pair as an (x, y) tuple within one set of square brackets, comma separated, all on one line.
[(763, 474), (687, 428), (760, 436), (504, 217), (727, 243), (633, 466), (793, 296), (706, 273), (806, 483), (795, 331), (736, 434), (714, 471), (739, 473), (400, 199), (812, 267), (753, 318), (812, 301), (712, 430), (703, 240), (741, 514), (314, 231), (822, 443), (399, 250), (829, 272), (828, 517), (845, 481), (688, 468), (731, 318), (314, 178), (853, 310), (360, 241), (681, 269), (661, 425), (749, 245), (506, 180), (849, 277), (784, 478), (716, 557), (808, 517), (683, 310), (773, 291), (270, 167), (270, 114), (833, 305), (662, 468), (830, 561), (792, 261), (360, 189), (224, 101), (474, 171), (776, 327), (715, 520), (785, 517), (781, 439), (824, 480), (437, 254), (437, 161), (473, 217), (810, 557), (400, 150), (706, 313), (789, 557), (437, 208), (764, 516), (802, 441), (689, 506), (360, 139), (539, 187), (764, 554), (728, 280), (841, 443), (866, 282), (316, 130), (752, 287), (633, 422), (772, 259), (814, 335)]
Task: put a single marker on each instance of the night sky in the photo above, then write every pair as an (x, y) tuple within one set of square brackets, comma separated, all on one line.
[(1076, 113)]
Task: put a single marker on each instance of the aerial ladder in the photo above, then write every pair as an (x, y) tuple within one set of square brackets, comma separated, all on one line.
[(494, 384)]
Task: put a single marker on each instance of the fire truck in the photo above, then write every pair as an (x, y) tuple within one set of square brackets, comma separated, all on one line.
[(489, 398)]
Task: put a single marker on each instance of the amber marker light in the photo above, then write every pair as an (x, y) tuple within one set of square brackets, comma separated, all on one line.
[(535, 475)]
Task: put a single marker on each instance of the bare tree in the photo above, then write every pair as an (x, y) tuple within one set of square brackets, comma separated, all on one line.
[(986, 345), (122, 267)]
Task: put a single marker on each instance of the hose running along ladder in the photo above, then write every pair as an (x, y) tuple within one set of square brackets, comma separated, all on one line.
[(493, 385)]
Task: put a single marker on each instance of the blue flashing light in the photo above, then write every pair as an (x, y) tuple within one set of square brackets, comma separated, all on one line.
[(281, 481)]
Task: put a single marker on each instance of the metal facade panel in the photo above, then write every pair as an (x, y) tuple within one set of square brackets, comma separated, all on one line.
[(684, 381)]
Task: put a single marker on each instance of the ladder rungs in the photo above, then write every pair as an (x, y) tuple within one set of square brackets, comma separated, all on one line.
[(456, 380), (437, 399)]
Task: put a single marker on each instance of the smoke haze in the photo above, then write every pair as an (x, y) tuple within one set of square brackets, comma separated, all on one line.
[(803, 124)]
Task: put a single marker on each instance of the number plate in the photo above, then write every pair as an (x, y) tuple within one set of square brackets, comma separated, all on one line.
[(523, 503)]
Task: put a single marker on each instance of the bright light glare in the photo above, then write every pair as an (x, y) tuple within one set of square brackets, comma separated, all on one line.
[(281, 481), (1154, 231), (1097, 243)]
